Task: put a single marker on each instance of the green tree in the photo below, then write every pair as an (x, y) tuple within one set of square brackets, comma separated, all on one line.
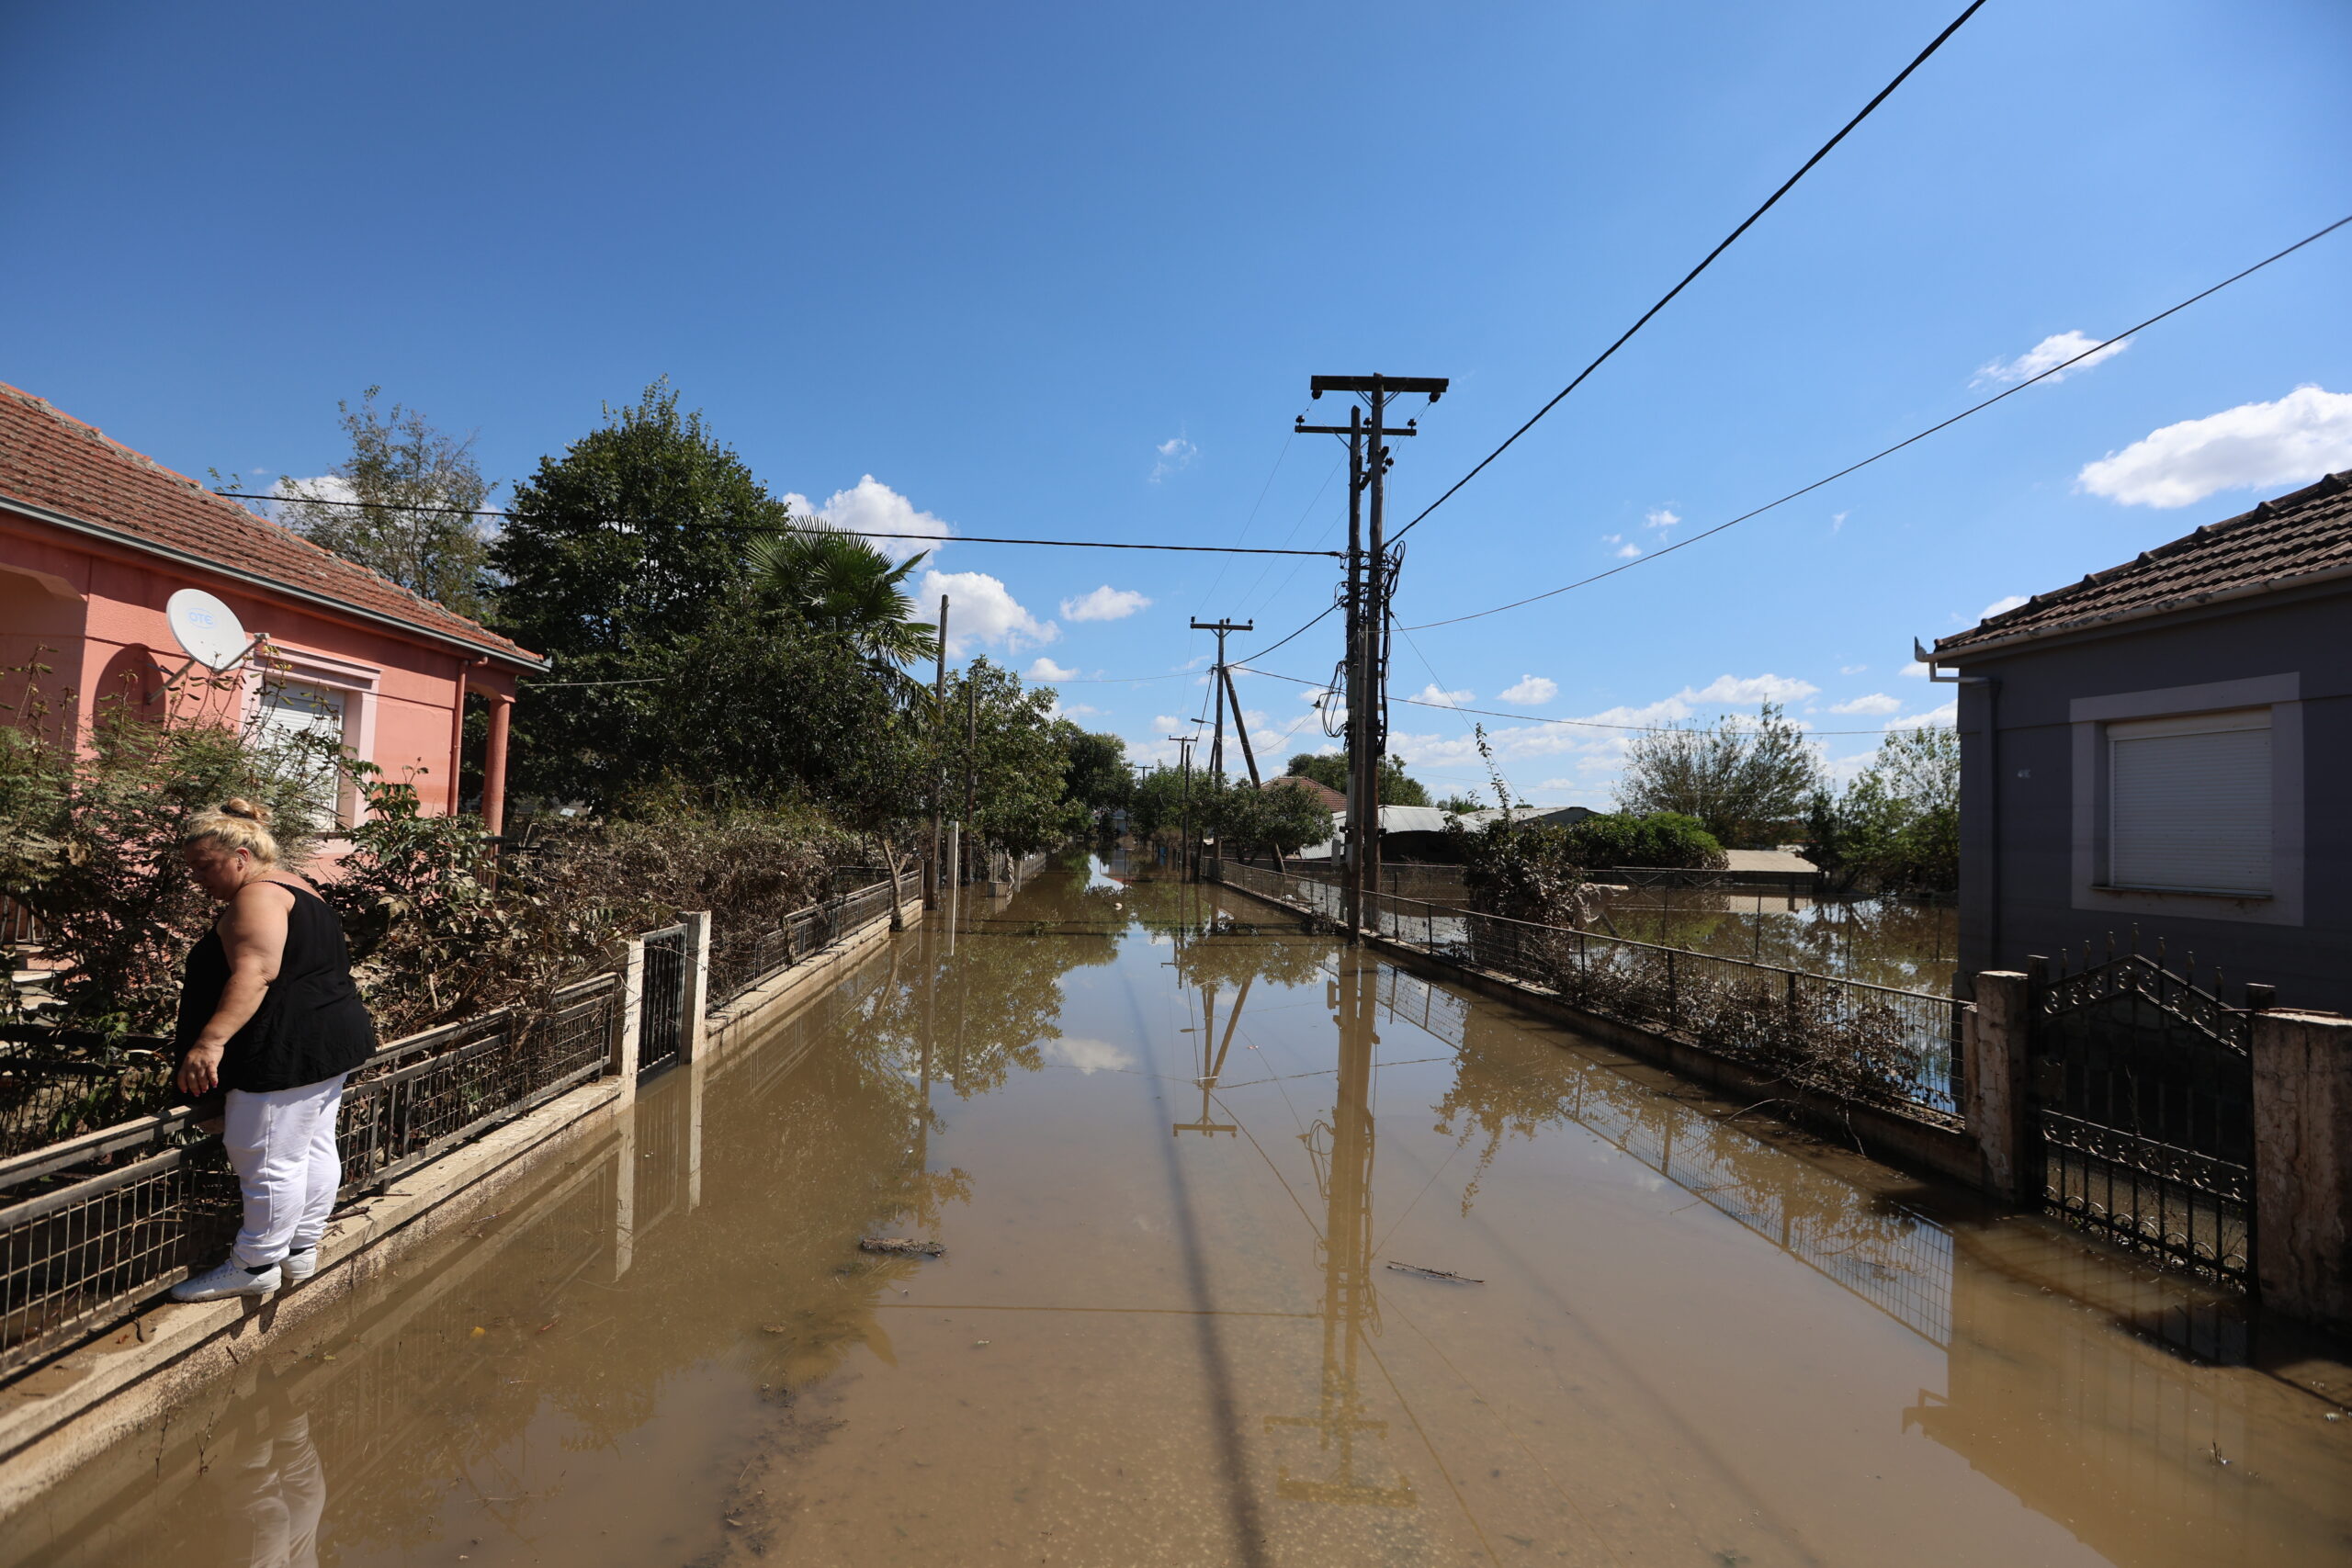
[(1276, 819), (839, 585), (1897, 824), (415, 483), (1098, 777), (1330, 770), (1665, 838), (1748, 780), (1010, 757)]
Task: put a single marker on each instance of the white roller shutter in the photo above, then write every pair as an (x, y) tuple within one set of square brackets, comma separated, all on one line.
[(2190, 803), (290, 714)]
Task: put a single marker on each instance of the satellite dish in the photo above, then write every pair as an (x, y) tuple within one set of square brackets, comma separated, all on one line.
[(208, 629)]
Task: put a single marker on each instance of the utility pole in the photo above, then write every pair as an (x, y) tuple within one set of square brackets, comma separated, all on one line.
[(1184, 751), (1218, 681), (1371, 577), (939, 741)]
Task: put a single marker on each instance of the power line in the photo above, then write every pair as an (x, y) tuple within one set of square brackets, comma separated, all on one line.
[(1906, 441), (1538, 718), (770, 528), (1786, 185)]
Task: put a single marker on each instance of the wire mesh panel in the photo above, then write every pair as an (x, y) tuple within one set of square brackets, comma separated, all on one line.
[(661, 1021), (2143, 1089), (739, 962)]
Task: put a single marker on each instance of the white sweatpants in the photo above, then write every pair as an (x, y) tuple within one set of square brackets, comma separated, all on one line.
[(281, 1145)]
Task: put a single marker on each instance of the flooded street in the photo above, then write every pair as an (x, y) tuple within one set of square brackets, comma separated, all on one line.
[(1258, 1250)]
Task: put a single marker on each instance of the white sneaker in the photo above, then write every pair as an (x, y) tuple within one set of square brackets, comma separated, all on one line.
[(299, 1266), (229, 1280)]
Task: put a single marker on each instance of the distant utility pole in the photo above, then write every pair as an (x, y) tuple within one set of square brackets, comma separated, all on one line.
[(1184, 751), (1222, 683), (1370, 578), (939, 783)]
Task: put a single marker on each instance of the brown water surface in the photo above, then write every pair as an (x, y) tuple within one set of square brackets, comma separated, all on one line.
[(1177, 1152)]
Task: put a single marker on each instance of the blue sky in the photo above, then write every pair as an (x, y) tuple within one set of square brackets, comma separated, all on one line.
[(1065, 271)]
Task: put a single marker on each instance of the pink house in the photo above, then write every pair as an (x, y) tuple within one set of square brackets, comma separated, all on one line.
[(95, 538)]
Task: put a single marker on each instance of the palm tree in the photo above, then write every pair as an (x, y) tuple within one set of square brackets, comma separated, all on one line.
[(839, 584)]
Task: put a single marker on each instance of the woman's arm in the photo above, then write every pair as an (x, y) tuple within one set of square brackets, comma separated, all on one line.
[(253, 932)]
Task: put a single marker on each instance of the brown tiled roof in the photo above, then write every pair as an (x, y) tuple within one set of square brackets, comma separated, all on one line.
[(2302, 537), (1332, 798), (52, 461)]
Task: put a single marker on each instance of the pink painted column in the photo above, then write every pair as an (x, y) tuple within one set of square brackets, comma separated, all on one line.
[(493, 765)]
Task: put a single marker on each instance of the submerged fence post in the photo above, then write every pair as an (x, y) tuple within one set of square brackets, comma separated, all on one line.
[(2303, 1164), (693, 1030), (625, 1049), (1995, 1058)]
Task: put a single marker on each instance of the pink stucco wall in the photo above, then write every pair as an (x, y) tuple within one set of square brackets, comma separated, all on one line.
[(99, 609)]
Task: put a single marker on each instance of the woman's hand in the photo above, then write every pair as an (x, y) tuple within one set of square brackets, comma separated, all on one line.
[(199, 1071)]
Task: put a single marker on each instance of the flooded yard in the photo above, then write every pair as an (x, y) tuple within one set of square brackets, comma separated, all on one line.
[(1257, 1251)]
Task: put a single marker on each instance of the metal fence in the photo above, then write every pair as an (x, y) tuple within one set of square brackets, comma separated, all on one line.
[(56, 1083), (739, 962), (661, 1021), (1846, 1038), (92, 1228)]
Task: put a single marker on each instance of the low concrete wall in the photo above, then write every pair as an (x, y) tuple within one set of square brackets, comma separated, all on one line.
[(57, 1416), (1900, 1141)]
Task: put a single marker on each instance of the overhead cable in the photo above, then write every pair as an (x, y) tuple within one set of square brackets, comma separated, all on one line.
[(1786, 185), (1906, 441)]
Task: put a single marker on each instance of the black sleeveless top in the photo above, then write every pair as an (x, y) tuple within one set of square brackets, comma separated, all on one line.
[(311, 1024)]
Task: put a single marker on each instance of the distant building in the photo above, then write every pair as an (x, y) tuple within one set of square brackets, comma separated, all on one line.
[(1332, 799), (2165, 744), (95, 538)]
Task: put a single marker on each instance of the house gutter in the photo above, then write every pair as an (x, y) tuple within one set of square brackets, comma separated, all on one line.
[(144, 545), (2140, 613)]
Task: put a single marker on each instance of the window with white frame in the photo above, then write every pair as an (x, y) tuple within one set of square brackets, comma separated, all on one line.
[(2190, 803), (302, 725)]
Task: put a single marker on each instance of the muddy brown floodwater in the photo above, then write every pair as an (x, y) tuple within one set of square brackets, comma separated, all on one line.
[(1257, 1251)]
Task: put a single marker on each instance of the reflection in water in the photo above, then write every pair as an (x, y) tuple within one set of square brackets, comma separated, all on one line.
[(1343, 1150), (286, 1491), (1698, 1342)]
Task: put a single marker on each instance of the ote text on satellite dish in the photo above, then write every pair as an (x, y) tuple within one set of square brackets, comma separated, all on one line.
[(208, 630)]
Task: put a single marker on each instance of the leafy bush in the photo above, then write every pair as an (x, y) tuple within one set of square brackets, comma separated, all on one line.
[(1663, 838)]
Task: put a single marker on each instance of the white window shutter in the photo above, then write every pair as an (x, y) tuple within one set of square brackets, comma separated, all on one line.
[(2190, 803)]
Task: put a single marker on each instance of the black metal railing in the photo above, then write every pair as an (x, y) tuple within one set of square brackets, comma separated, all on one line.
[(58, 1083), (94, 1226), (1850, 1038), (737, 962), (661, 1021)]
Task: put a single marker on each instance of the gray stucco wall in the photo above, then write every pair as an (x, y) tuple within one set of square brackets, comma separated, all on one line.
[(2021, 887)]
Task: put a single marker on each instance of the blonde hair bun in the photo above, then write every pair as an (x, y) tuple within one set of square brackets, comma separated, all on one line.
[(236, 824)]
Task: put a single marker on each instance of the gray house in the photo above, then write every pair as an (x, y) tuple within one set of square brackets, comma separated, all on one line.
[(2168, 745)]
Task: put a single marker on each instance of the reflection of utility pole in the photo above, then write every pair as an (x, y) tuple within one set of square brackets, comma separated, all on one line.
[(1184, 812), (1220, 686), (1214, 1067), (1349, 1302)]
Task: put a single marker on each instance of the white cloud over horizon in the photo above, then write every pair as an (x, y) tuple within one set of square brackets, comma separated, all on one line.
[(1105, 604), (872, 507), (1660, 517), (1175, 454), (1045, 669), (1434, 695), (2291, 442), (981, 612), (2055, 349), (1531, 690), (1874, 703), (2001, 607)]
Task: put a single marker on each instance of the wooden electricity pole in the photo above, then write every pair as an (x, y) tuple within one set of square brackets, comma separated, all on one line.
[(939, 781), (1221, 684)]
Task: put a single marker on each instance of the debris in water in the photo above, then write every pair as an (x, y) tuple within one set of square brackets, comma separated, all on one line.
[(775, 1328), (899, 1246), (1435, 1273)]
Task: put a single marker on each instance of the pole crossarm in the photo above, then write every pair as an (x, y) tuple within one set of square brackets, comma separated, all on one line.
[(1375, 383)]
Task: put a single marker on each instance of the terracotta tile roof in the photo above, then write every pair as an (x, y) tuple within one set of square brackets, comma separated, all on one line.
[(2302, 537), (1332, 798), (52, 460)]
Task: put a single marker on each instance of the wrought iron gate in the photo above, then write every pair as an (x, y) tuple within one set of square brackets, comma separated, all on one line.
[(662, 1016), (2143, 1090)]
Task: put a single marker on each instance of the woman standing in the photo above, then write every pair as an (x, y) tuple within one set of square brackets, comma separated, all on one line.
[(268, 1011)]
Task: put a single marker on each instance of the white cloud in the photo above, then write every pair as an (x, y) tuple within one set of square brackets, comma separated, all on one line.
[(1947, 714), (1915, 670), (1837, 520), (1432, 694), (1742, 691), (1532, 689), (982, 612), (1176, 455), (1105, 604), (2293, 441), (1088, 1056), (2056, 349), (1659, 518), (1852, 669), (1076, 710), (1876, 702), (1628, 551), (1045, 669), (2001, 607), (873, 507)]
